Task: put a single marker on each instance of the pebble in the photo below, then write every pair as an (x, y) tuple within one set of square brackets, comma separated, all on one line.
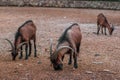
[(97, 62), (64, 17), (97, 55), (89, 72), (107, 70), (39, 62), (20, 64)]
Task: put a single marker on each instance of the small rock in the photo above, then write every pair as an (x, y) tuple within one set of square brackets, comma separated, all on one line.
[(74, 69), (89, 72), (46, 49), (39, 62), (64, 17), (97, 55), (20, 64), (97, 62), (106, 70), (15, 71)]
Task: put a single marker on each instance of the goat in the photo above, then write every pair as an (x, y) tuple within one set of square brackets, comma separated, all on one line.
[(69, 42), (23, 36), (103, 23)]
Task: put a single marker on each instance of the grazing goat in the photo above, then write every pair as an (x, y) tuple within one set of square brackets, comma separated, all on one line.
[(69, 42), (23, 36), (103, 23)]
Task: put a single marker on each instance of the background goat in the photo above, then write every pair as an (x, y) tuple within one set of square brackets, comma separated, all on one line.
[(69, 42), (103, 23), (24, 35)]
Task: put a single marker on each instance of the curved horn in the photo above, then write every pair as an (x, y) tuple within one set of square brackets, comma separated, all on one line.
[(50, 47), (62, 47), (21, 44), (10, 43)]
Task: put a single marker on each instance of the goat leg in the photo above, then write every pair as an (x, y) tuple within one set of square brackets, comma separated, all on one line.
[(105, 31), (101, 29), (98, 29), (30, 46), (75, 61), (21, 55), (26, 50), (35, 54)]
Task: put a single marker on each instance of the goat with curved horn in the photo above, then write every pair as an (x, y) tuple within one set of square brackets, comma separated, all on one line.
[(69, 42), (24, 35)]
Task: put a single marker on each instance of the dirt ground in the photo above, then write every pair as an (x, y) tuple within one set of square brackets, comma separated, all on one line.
[(99, 57)]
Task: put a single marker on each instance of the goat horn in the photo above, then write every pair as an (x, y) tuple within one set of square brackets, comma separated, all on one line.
[(62, 47), (10, 43), (50, 47), (21, 44)]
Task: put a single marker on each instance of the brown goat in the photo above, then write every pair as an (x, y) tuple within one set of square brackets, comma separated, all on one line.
[(69, 42), (24, 35), (103, 23)]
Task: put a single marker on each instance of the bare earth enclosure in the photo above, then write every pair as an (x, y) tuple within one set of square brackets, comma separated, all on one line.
[(99, 57)]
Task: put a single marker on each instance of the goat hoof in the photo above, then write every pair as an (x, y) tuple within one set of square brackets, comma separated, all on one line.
[(75, 66), (26, 58), (69, 63)]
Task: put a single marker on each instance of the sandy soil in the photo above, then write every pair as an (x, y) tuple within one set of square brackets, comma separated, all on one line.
[(99, 57)]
